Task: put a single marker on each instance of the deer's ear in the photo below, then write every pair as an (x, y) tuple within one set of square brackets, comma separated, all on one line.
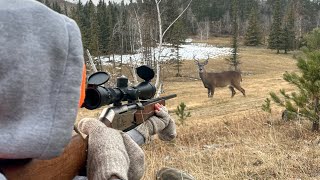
[(205, 62), (196, 62)]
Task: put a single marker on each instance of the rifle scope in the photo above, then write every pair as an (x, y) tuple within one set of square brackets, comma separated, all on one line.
[(98, 95)]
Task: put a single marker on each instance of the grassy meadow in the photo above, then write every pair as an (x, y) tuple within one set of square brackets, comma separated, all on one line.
[(232, 138)]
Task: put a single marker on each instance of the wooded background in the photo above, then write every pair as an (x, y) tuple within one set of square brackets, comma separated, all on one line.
[(119, 28)]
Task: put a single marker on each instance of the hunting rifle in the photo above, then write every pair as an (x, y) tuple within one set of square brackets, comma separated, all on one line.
[(124, 117)]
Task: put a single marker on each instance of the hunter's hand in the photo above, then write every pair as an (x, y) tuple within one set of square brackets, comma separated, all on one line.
[(111, 153), (161, 124)]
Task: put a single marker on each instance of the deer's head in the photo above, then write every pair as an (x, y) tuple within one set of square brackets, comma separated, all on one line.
[(201, 65)]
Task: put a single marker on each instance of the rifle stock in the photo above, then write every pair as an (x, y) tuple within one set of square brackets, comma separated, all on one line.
[(148, 111)]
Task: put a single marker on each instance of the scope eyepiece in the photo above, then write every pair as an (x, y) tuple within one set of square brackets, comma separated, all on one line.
[(97, 96)]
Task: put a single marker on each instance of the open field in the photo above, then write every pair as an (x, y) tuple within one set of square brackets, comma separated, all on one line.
[(232, 138)]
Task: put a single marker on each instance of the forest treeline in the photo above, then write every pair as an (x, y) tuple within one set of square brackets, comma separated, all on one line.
[(119, 28)]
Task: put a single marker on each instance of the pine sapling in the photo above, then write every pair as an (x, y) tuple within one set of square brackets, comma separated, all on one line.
[(181, 113), (304, 101), (266, 106)]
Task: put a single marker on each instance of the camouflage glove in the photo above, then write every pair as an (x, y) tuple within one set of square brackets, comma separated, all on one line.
[(169, 132), (111, 152), (161, 124)]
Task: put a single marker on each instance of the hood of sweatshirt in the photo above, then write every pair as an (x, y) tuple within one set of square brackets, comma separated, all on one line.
[(41, 60)]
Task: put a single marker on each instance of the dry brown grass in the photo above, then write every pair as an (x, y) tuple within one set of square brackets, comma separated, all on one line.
[(249, 147), (231, 138)]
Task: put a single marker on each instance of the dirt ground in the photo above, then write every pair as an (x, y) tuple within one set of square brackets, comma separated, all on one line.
[(232, 138)]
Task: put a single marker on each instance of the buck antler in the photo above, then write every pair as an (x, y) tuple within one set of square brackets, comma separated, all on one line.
[(195, 60), (206, 61)]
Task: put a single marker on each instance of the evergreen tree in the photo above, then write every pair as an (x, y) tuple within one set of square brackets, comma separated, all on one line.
[(284, 39), (77, 13), (170, 13), (287, 36), (85, 28), (47, 3), (313, 40), (93, 30), (305, 102), (245, 8), (103, 25), (176, 36), (111, 19), (253, 35), (290, 23), (177, 33), (56, 7), (234, 60), (123, 34), (182, 113), (178, 61), (212, 10), (65, 11), (276, 31)]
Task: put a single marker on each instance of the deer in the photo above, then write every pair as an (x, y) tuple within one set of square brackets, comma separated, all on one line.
[(212, 80)]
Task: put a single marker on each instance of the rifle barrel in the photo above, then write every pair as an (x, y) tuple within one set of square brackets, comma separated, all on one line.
[(159, 99)]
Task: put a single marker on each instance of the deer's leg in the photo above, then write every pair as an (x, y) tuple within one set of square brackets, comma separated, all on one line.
[(209, 92), (240, 89), (212, 91), (232, 91)]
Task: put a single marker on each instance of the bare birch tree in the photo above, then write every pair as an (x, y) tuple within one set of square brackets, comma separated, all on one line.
[(161, 35)]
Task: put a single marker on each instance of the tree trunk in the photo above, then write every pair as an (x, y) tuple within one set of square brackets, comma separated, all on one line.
[(315, 125), (121, 64), (133, 71), (140, 36), (93, 66), (161, 35)]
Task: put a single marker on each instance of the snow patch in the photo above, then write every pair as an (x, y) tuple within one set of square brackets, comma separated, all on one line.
[(187, 52)]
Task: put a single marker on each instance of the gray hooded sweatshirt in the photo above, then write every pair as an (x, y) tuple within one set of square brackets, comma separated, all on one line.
[(41, 60)]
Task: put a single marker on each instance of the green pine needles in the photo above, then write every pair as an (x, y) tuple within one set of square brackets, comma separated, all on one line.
[(305, 101), (282, 33), (253, 34), (181, 113)]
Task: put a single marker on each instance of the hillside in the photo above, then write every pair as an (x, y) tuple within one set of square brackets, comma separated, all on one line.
[(232, 138)]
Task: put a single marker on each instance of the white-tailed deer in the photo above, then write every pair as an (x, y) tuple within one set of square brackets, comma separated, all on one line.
[(212, 80)]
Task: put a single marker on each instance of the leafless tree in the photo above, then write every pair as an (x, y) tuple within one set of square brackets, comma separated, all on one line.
[(161, 35)]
